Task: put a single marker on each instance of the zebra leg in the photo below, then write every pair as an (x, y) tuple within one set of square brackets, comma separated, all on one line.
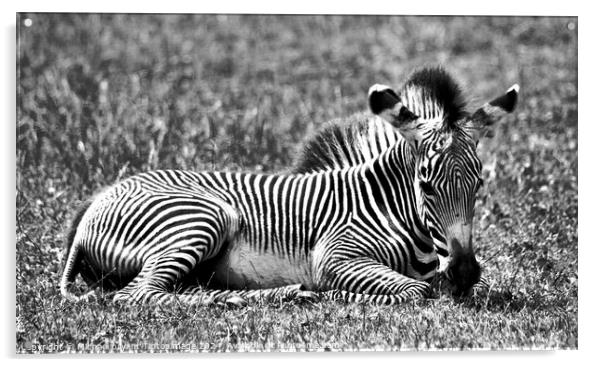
[(365, 279), (241, 298), (293, 292), (160, 276), (285, 293), (158, 280)]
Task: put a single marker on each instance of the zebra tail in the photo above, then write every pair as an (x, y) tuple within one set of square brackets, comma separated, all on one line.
[(71, 256)]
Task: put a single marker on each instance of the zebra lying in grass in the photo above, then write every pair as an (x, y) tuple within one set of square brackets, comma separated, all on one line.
[(372, 204)]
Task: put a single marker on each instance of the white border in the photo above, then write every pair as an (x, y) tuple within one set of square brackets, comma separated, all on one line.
[(431, 7), (589, 129)]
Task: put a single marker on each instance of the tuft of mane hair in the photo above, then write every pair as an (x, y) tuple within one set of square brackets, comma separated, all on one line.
[(437, 84), (362, 137), (345, 143)]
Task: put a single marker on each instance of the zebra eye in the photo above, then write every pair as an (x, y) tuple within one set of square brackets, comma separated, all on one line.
[(427, 188), (479, 184)]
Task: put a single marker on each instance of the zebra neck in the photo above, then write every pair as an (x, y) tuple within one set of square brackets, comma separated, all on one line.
[(390, 178)]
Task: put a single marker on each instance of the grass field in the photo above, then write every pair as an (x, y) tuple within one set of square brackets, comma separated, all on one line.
[(104, 97)]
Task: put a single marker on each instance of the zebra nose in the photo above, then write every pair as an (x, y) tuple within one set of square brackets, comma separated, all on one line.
[(465, 272)]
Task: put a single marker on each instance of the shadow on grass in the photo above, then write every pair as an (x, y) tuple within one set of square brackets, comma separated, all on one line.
[(504, 301)]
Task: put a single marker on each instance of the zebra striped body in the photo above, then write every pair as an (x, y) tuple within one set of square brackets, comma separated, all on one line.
[(353, 219), (262, 231)]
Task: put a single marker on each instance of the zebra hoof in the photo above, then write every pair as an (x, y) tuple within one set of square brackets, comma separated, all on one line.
[(440, 285), (482, 287), (483, 284), (120, 298), (236, 301), (207, 301), (307, 296), (420, 290), (88, 297)]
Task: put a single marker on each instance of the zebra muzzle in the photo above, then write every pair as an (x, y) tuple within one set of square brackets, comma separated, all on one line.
[(463, 273), (463, 270)]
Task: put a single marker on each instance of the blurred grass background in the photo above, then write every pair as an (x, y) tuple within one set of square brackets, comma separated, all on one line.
[(104, 96)]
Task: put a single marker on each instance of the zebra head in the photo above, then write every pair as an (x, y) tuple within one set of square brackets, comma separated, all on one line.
[(430, 114)]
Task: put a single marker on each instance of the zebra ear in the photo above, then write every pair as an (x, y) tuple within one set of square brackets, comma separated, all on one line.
[(482, 121), (385, 103)]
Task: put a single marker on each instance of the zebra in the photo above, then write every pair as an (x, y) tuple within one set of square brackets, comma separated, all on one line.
[(366, 214)]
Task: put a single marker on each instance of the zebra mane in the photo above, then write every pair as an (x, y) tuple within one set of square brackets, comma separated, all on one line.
[(362, 137), (345, 143)]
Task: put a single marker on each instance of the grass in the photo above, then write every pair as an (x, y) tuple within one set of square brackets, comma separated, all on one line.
[(101, 97)]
